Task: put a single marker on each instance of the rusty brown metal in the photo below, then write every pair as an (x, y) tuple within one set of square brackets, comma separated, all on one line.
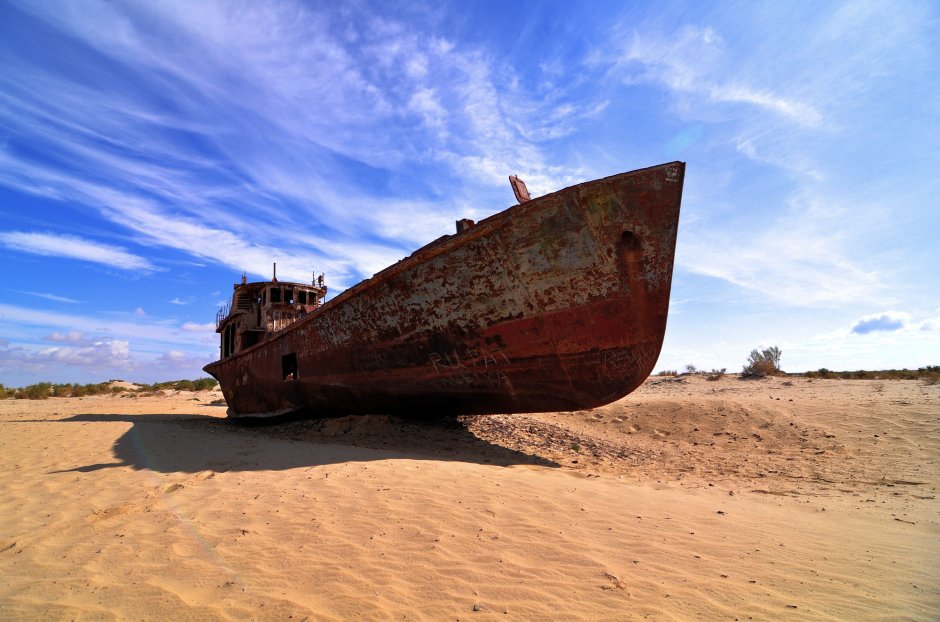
[(519, 189), (559, 303)]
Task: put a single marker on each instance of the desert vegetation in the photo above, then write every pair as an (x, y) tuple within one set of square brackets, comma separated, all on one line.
[(716, 374), (762, 363), (45, 390), (930, 373)]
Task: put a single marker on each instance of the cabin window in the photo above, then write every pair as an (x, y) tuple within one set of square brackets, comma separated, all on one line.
[(228, 341), (289, 296), (250, 338), (275, 294), (289, 366), (302, 297)]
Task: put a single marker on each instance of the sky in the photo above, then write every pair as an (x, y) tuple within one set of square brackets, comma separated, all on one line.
[(151, 152)]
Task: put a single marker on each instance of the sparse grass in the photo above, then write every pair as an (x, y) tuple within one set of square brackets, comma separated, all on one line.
[(202, 384), (45, 390), (576, 447), (928, 373), (716, 374)]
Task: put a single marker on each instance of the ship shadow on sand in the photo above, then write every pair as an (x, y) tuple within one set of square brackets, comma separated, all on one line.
[(169, 443)]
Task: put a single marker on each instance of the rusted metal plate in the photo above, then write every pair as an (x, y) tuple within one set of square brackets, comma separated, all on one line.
[(519, 189), (559, 303)]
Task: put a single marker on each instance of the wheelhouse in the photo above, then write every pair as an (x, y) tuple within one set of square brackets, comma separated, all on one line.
[(259, 310)]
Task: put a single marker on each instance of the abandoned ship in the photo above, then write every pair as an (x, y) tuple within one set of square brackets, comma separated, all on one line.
[(558, 303)]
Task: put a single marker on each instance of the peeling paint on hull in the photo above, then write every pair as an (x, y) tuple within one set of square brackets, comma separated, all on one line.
[(556, 304)]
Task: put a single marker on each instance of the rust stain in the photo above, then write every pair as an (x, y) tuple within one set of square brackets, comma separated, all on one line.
[(558, 303)]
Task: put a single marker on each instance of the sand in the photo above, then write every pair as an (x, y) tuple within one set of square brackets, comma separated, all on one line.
[(788, 499)]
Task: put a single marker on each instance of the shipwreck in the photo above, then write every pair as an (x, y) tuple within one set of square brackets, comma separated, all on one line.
[(558, 303)]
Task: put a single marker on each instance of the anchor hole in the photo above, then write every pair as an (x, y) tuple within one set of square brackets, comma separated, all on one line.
[(629, 241)]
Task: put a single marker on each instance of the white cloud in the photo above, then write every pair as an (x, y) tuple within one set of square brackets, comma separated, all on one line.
[(803, 257), (138, 328), (277, 92), (96, 361), (48, 296), (195, 327), (424, 103), (417, 66), (692, 61), (92, 348), (789, 270), (98, 354), (733, 93), (881, 344), (70, 337), (55, 245), (887, 321), (805, 219)]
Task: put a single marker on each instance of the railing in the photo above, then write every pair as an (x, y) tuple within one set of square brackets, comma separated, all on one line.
[(221, 314)]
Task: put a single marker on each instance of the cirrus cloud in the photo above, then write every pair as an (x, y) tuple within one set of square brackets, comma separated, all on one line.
[(72, 247)]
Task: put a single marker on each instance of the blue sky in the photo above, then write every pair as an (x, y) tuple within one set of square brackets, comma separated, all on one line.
[(150, 152)]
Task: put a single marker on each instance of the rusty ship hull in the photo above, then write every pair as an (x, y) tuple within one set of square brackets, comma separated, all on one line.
[(556, 304)]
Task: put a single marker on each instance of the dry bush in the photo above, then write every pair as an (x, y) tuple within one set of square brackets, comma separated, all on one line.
[(716, 374), (761, 363)]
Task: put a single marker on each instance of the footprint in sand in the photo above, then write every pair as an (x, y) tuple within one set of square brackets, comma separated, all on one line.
[(111, 512)]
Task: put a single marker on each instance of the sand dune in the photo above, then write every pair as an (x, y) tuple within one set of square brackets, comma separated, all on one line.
[(689, 499)]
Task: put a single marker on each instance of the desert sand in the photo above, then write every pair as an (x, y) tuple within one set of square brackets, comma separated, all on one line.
[(774, 499)]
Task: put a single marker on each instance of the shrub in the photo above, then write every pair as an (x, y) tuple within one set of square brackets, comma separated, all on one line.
[(38, 391), (201, 384), (716, 374), (761, 363), (205, 384), (923, 373)]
